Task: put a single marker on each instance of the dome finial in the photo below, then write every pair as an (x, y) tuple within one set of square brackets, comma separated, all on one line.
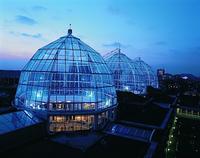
[(69, 30)]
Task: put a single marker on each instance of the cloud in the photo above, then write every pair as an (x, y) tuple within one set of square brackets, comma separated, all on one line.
[(161, 43), (23, 34), (25, 20), (131, 22), (68, 10), (173, 50), (31, 35), (12, 54), (113, 10), (116, 45), (39, 8), (197, 48)]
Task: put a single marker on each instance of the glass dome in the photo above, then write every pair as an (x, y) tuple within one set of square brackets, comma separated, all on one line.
[(69, 84), (149, 76), (125, 74)]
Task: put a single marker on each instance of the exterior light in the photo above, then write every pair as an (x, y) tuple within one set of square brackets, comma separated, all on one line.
[(114, 129), (107, 102), (78, 118), (126, 88), (39, 94), (90, 94)]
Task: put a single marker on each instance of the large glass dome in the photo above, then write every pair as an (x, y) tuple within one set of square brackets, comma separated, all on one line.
[(126, 75), (68, 83), (149, 76)]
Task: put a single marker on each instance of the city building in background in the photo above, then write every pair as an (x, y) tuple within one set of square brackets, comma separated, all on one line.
[(160, 75)]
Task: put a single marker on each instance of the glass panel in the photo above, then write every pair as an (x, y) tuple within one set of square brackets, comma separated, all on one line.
[(66, 75), (16, 120)]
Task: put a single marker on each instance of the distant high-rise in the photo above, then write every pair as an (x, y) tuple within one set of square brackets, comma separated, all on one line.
[(160, 74)]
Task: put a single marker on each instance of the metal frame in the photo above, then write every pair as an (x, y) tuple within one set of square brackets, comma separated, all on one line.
[(66, 71), (130, 75)]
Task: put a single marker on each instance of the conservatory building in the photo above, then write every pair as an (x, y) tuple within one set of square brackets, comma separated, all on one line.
[(126, 76), (149, 76), (68, 84), (133, 76)]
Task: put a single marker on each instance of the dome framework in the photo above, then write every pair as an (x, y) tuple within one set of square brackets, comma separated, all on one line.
[(129, 75), (125, 74), (149, 76), (69, 84)]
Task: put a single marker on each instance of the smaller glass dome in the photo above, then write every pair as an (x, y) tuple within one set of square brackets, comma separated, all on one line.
[(149, 76), (125, 74)]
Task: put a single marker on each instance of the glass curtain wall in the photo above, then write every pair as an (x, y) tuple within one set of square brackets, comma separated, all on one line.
[(69, 77), (126, 75), (149, 76)]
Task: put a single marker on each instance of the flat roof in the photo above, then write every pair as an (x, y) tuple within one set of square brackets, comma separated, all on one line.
[(150, 114), (135, 133)]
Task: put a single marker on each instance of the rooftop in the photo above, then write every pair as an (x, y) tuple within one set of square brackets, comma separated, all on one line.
[(145, 112)]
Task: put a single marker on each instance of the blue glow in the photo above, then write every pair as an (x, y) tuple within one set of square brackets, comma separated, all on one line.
[(90, 94), (108, 102), (39, 94), (126, 88)]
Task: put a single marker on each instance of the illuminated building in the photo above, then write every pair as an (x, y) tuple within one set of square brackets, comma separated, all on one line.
[(149, 76), (130, 75), (161, 72), (126, 76), (69, 84)]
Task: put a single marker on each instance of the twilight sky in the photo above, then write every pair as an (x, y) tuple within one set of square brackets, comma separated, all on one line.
[(165, 34)]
